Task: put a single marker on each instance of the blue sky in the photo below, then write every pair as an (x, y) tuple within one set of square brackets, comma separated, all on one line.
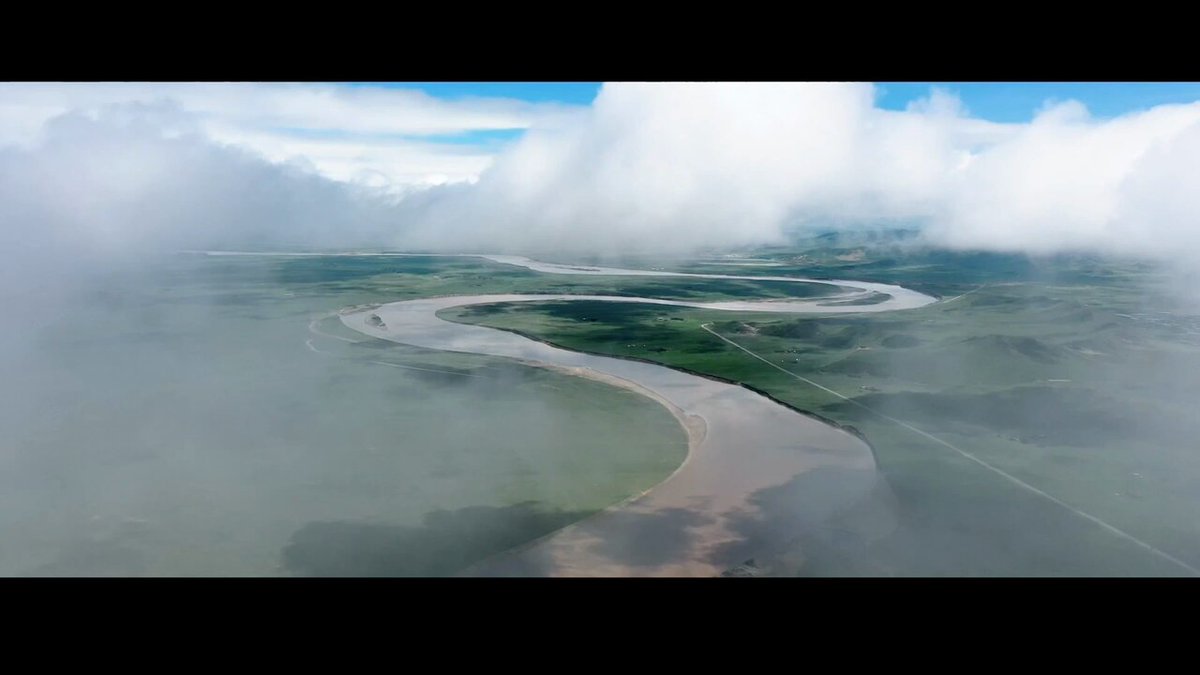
[(384, 134), (579, 93), (1018, 101), (995, 101)]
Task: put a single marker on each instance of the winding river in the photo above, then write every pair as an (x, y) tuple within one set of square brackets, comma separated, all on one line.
[(758, 478)]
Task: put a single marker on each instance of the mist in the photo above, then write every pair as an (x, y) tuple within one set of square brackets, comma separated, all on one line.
[(647, 168), (675, 167), (184, 418), (123, 361), (171, 413)]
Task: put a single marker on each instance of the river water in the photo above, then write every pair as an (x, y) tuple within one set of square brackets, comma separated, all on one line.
[(758, 478)]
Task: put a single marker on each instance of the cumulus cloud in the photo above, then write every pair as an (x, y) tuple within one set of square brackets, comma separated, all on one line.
[(655, 166), (97, 191), (1068, 182), (646, 168)]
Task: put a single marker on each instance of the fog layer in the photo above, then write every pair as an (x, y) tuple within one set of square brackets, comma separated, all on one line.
[(647, 168), (676, 166)]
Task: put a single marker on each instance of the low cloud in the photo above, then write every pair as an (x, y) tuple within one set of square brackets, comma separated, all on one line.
[(144, 176), (99, 193), (663, 166), (647, 168), (389, 137)]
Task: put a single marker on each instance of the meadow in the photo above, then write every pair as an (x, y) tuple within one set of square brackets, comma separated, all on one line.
[(211, 416), (1072, 375)]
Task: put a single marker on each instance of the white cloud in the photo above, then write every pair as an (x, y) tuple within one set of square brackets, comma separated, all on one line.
[(675, 166), (347, 133), (681, 165), (1066, 181), (390, 163), (648, 167), (142, 177)]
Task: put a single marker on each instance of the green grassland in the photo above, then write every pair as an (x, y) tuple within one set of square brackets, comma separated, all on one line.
[(384, 279), (1077, 376)]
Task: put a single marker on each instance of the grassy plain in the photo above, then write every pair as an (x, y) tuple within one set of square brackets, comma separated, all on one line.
[(1077, 376)]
